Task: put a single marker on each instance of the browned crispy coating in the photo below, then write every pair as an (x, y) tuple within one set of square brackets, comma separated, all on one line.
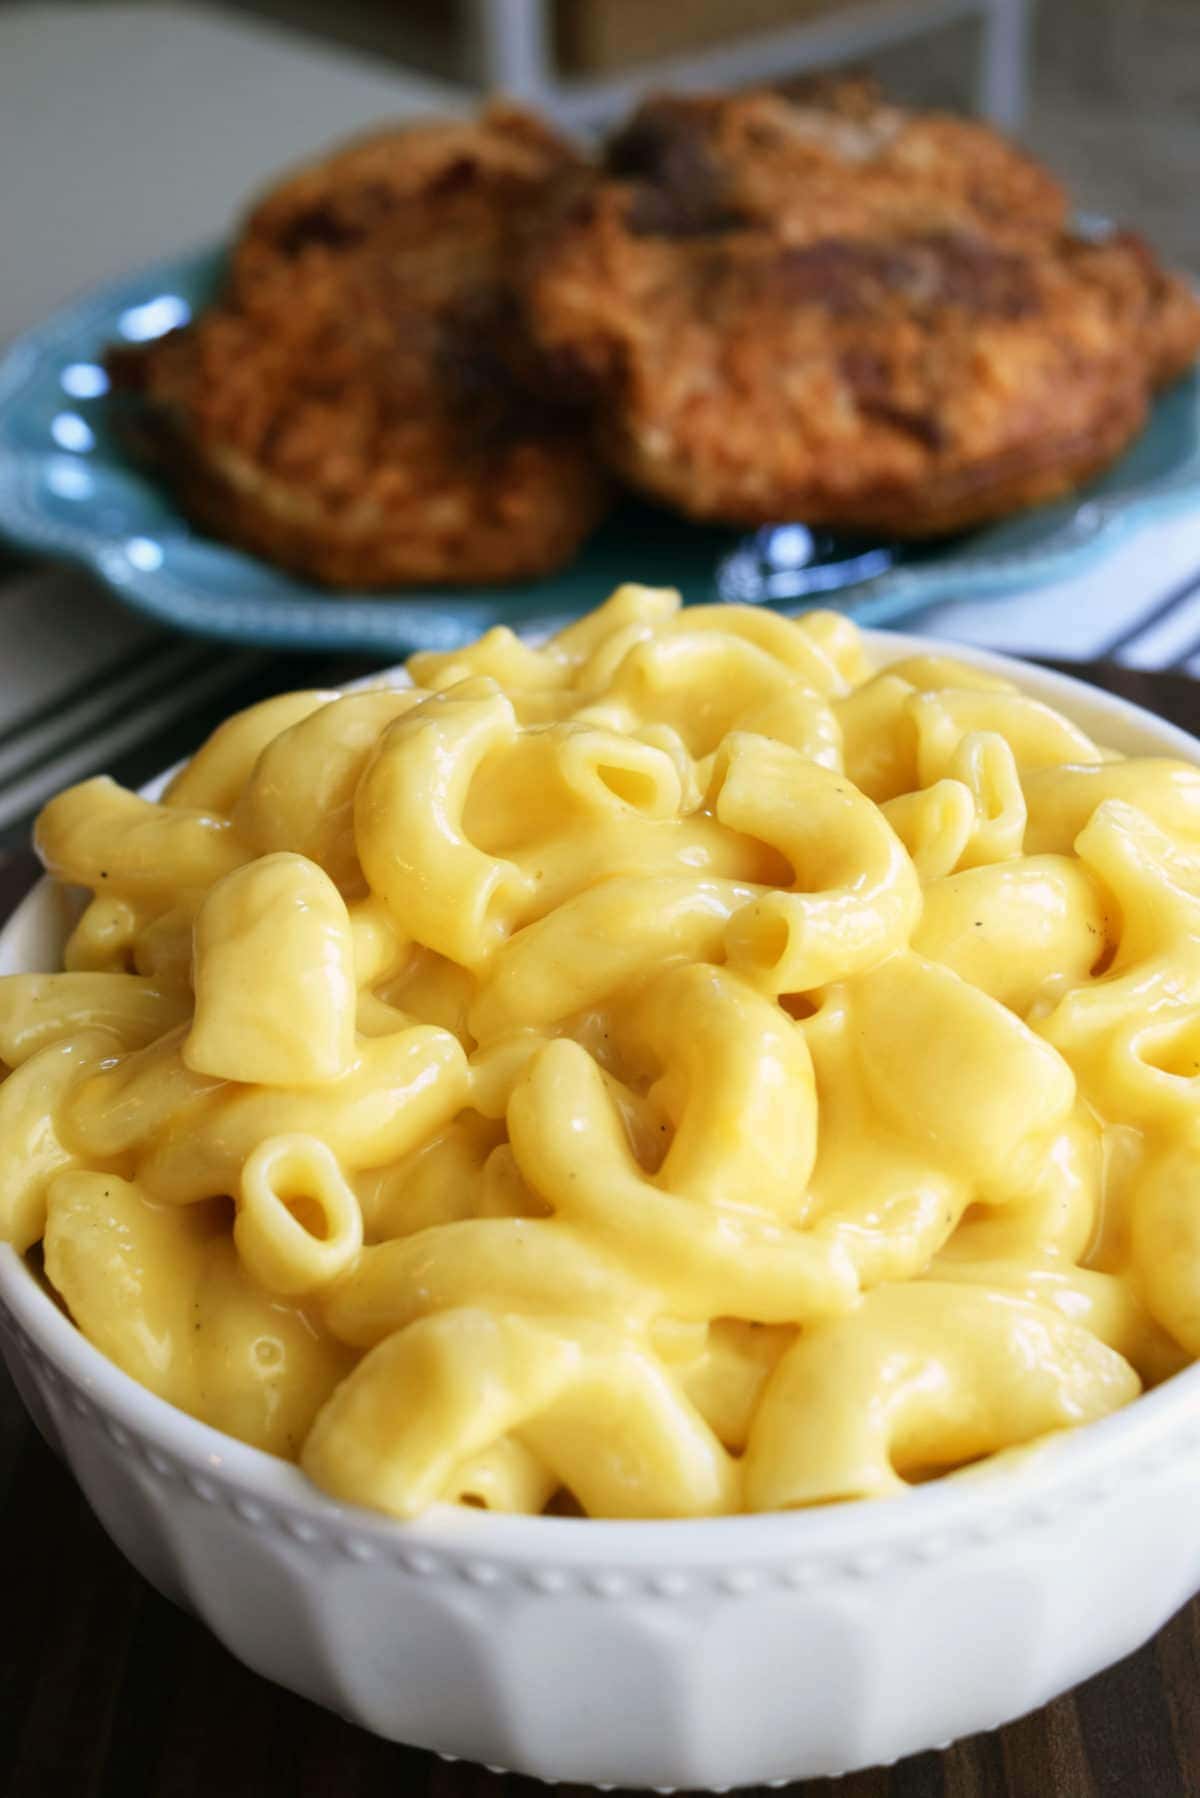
[(838, 162), (849, 315), (356, 406)]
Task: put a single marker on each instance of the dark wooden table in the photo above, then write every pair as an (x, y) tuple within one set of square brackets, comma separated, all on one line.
[(108, 1691)]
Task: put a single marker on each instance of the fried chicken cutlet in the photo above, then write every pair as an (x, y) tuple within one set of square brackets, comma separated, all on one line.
[(362, 404), (849, 315)]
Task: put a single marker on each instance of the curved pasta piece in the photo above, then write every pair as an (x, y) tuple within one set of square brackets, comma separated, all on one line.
[(576, 860), (699, 682), (128, 1102), (625, 1442), (34, 1146), (725, 1377), (129, 1273), (574, 805), (1165, 1243), (1044, 1203), (496, 1070), (1037, 735), (1017, 930), (97, 835), (931, 673), (436, 1184), (935, 825), (891, 1224), (879, 737), (39, 1009), (211, 780), (161, 1293), (103, 937), (839, 641), (1096, 1028), (952, 1068), (600, 942), (1155, 883), (506, 1477), (282, 914), (537, 1267), (816, 648), (298, 1225), (162, 949), (1060, 801), (464, 1380), (856, 896), (605, 773), (705, 1260), (434, 989), (381, 949), (504, 1191), (400, 1089), (985, 764), (884, 1200), (300, 794), (738, 1085), (1103, 1303), (922, 1377), (801, 722), (262, 1370), (583, 644), (429, 1398), (408, 826), (1154, 878), (499, 655), (1154, 1071), (630, 613), (562, 775), (661, 736)]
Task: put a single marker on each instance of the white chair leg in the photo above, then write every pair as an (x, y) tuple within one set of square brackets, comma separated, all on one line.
[(1003, 62), (510, 47)]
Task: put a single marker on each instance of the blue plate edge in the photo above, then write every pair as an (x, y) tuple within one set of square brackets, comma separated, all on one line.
[(439, 620)]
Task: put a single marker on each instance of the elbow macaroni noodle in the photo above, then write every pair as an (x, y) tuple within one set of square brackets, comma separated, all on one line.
[(673, 1071)]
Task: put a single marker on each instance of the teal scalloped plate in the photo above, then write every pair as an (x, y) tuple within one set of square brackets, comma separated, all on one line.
[(68, 491)]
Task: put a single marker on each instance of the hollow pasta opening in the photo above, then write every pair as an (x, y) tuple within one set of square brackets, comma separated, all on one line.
[(309, 1213), (1107, 955), (632, 785), (564, 1503), (994, 800), (1173, 1049), (763, 938)]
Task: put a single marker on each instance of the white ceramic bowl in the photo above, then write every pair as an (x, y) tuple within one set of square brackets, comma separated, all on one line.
[(715, 1653)]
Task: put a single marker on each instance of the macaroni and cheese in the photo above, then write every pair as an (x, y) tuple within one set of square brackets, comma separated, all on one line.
[(672, 1071)]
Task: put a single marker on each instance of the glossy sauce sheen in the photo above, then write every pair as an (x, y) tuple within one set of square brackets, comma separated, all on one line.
[(674, 1071)]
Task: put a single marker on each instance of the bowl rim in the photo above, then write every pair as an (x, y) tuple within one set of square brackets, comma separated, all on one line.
[(1034, 1486)]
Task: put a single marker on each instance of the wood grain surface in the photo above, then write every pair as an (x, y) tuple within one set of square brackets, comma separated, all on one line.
[(108, 1691)]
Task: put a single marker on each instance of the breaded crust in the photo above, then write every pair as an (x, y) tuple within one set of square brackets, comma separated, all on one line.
[(357, 405), (834, 161), (852, 317)]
